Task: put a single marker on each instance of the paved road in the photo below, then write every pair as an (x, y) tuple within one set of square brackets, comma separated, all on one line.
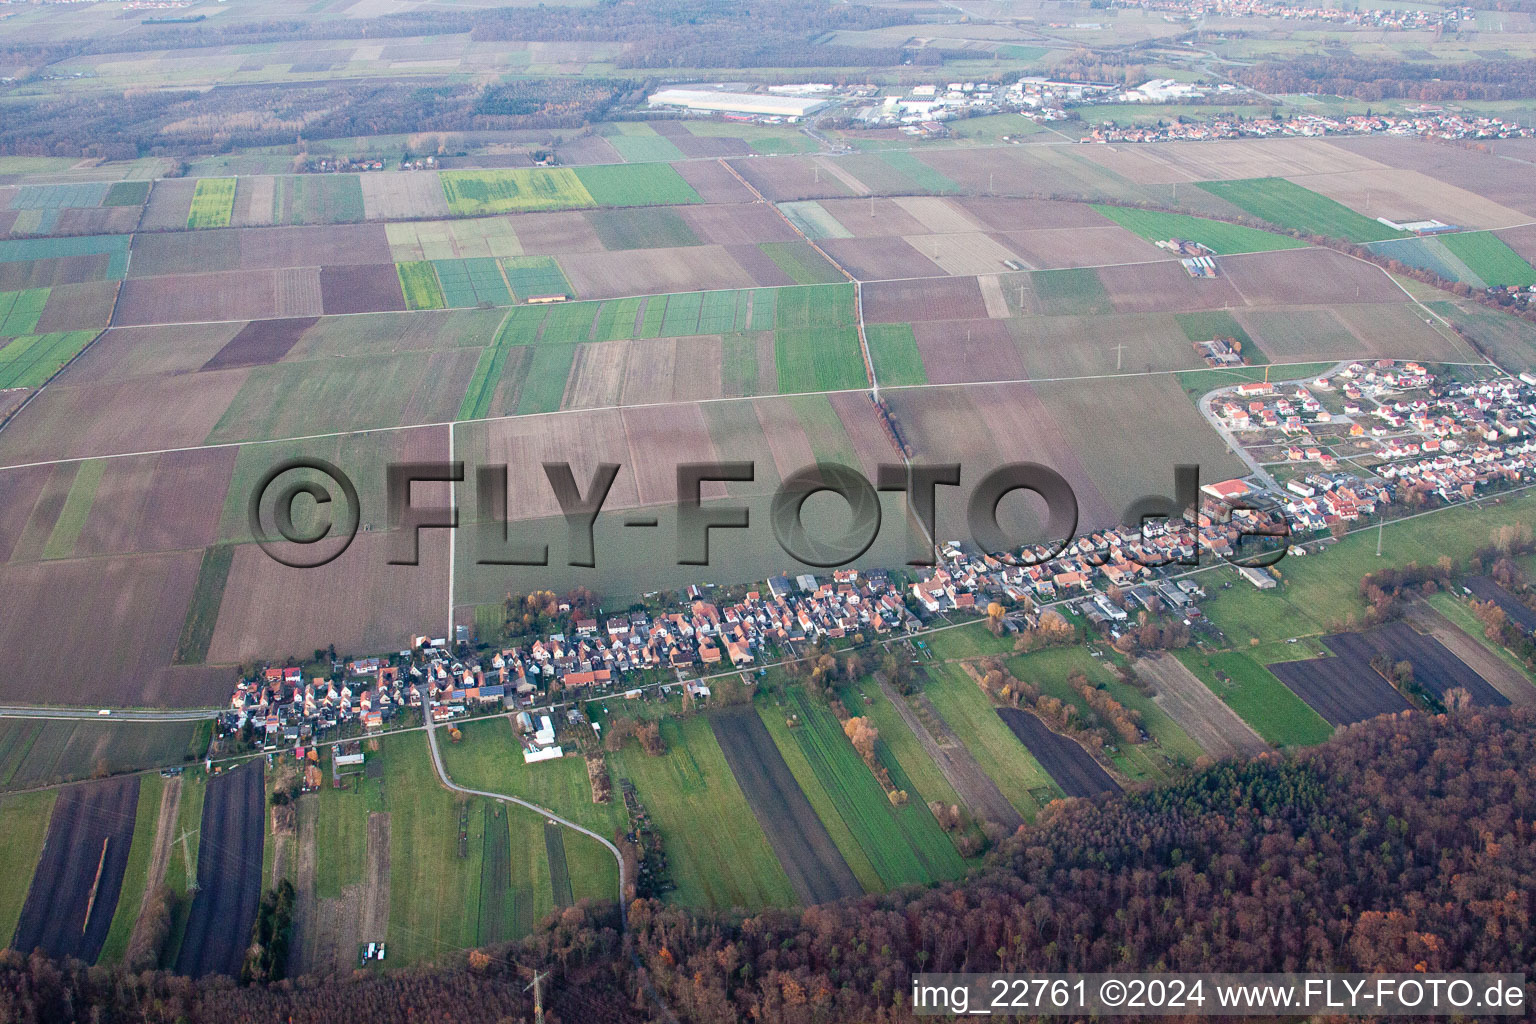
[(442, 773), (118, 714), (1220, 426)]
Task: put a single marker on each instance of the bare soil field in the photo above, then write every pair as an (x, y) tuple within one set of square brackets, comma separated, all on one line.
[(1315, 276), (1073, 768), (1198, 711), (1507, 182), (597, 374), (1250, 158), (707, 145), (1398, 330), (1085, 346), (230, 295), (105, 220), (1408, 195), (938, 298), (1500, 674), (603, 275), (260, 342), (816, 869), (955, 760), (55, 271), (524, 443), (1056, 248), (588, 149), (1485, 588), (1522, 240), (940, 216), (228, 874), (874, 259), (738, 224), (760, 266), (960, 351), (660, 438), (1434, 668), (1342, 690), (170, 200), (1164, 287), (713, 182), (112, 625), (992, 296), (371, 288), (873, 218), (964, 253), (555, 233), (254, 195), (78, 878), (1008, 215), (788, 178), (411, 196), (19, 493), (181, 503), (197, 252), (78, 307), (141, 414), (785, 433), (358, 602), (144, 351)]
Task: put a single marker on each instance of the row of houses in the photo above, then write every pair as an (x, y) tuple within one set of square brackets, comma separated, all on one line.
[(1369, 17), (1437, 124)]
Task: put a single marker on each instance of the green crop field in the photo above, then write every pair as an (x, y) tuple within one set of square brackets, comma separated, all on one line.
[(127, 193), (905, 845), (203, 612), (26, 250), (924, 177), (418, 282), (513, 190), (1076, 292), (644, 228), (535, 275), (898, 742), (77, 506), (1018, 775), (490, 758), (1489, 258), (46, 752), (1259, 699), (1288, 205), (213, 202), (716, 851), (645, 148), (826, 359), (548, 371), (1218, 236), (29, 361), (635, 185), (1216, 323), (895, 355), (26, 823), (803, 264), (19, 311)]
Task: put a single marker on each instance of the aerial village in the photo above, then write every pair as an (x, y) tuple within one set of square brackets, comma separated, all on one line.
[(1412, 439)]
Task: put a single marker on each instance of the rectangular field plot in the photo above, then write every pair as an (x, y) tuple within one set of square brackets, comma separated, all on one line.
[(513, 190), (1434, 668), (212, 203), (74, 890), (1489, 258), (57, 197), (229, 874), (87, 258), (472, 282), (1258, 698), (799, 262), (895, 354), (418, 283), (728, 864), (905, 843), (653, 184), (805, 849), (1218, 236), (1288, 205), (535, 276), (127, 193), (1343, 689), (26, 817), (452, 239), (644, 228), (820, 359), (19, 311), (42, 752), (28, 362), (1073, 768)]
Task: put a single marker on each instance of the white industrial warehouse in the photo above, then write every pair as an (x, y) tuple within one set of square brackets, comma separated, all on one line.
[(713, 102)]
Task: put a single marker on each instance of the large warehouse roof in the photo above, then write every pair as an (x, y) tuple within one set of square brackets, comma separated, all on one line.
[(737, 102)]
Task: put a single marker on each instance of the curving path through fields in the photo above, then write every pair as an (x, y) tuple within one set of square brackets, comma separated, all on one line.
[(442, 773)]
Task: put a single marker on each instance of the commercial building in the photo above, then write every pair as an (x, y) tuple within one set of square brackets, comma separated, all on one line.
[(712, 102)]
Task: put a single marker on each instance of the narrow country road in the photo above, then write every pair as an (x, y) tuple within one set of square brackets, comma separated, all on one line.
[(442, 773)]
